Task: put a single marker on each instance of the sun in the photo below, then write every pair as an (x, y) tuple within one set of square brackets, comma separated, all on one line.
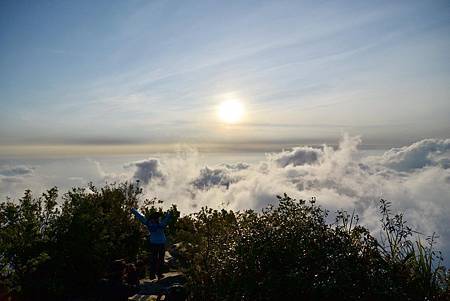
[(231, 111)]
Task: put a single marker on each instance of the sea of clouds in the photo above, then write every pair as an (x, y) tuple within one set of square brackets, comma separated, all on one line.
[(415, 178)]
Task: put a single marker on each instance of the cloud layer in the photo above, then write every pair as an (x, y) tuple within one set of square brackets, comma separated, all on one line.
[(416, 178), (14, 174)]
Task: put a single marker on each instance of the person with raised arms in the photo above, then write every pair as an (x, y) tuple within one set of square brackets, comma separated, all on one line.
[(157, 239)]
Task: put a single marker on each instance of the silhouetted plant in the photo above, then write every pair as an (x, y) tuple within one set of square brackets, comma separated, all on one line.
[(26, 233), (290, 252), (51, 250), (416, 268)]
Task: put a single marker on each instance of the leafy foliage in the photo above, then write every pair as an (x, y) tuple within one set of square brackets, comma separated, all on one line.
[(52, 252), (416, 268), (290, 252), (51, 249)]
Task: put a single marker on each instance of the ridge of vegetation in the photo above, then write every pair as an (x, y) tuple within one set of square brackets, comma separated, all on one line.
[(67, 250)]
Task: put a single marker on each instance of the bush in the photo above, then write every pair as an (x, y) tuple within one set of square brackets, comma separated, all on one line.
[(56, 252), (289, 251)]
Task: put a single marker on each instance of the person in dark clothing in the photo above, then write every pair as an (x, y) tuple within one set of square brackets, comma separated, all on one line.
[(157, 241)]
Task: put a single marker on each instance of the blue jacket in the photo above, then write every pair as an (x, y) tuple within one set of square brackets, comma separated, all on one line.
[(157, 235)]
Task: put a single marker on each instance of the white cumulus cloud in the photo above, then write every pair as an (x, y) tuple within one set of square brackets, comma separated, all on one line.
[(427, 152), (415, 178)]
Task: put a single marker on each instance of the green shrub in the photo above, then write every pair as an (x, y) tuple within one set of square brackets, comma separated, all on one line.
[(53, 252), (288, 251)]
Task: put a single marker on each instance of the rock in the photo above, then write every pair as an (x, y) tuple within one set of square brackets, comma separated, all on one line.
[(144, 298), (169, 288)]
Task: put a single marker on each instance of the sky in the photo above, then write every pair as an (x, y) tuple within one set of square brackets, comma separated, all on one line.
[(124, 76)]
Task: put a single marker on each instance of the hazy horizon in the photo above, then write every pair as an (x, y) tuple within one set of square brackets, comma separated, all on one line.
[(61, 150)]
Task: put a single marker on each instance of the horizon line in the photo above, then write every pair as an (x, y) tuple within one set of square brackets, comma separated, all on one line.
[(67, 149)]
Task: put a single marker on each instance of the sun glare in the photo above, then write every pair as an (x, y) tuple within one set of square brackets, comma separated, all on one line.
[(231, 111)]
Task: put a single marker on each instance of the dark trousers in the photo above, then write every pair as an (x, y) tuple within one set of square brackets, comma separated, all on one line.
[(156, 258)]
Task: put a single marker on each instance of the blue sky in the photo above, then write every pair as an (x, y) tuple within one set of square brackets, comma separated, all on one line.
[(154, 72)]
